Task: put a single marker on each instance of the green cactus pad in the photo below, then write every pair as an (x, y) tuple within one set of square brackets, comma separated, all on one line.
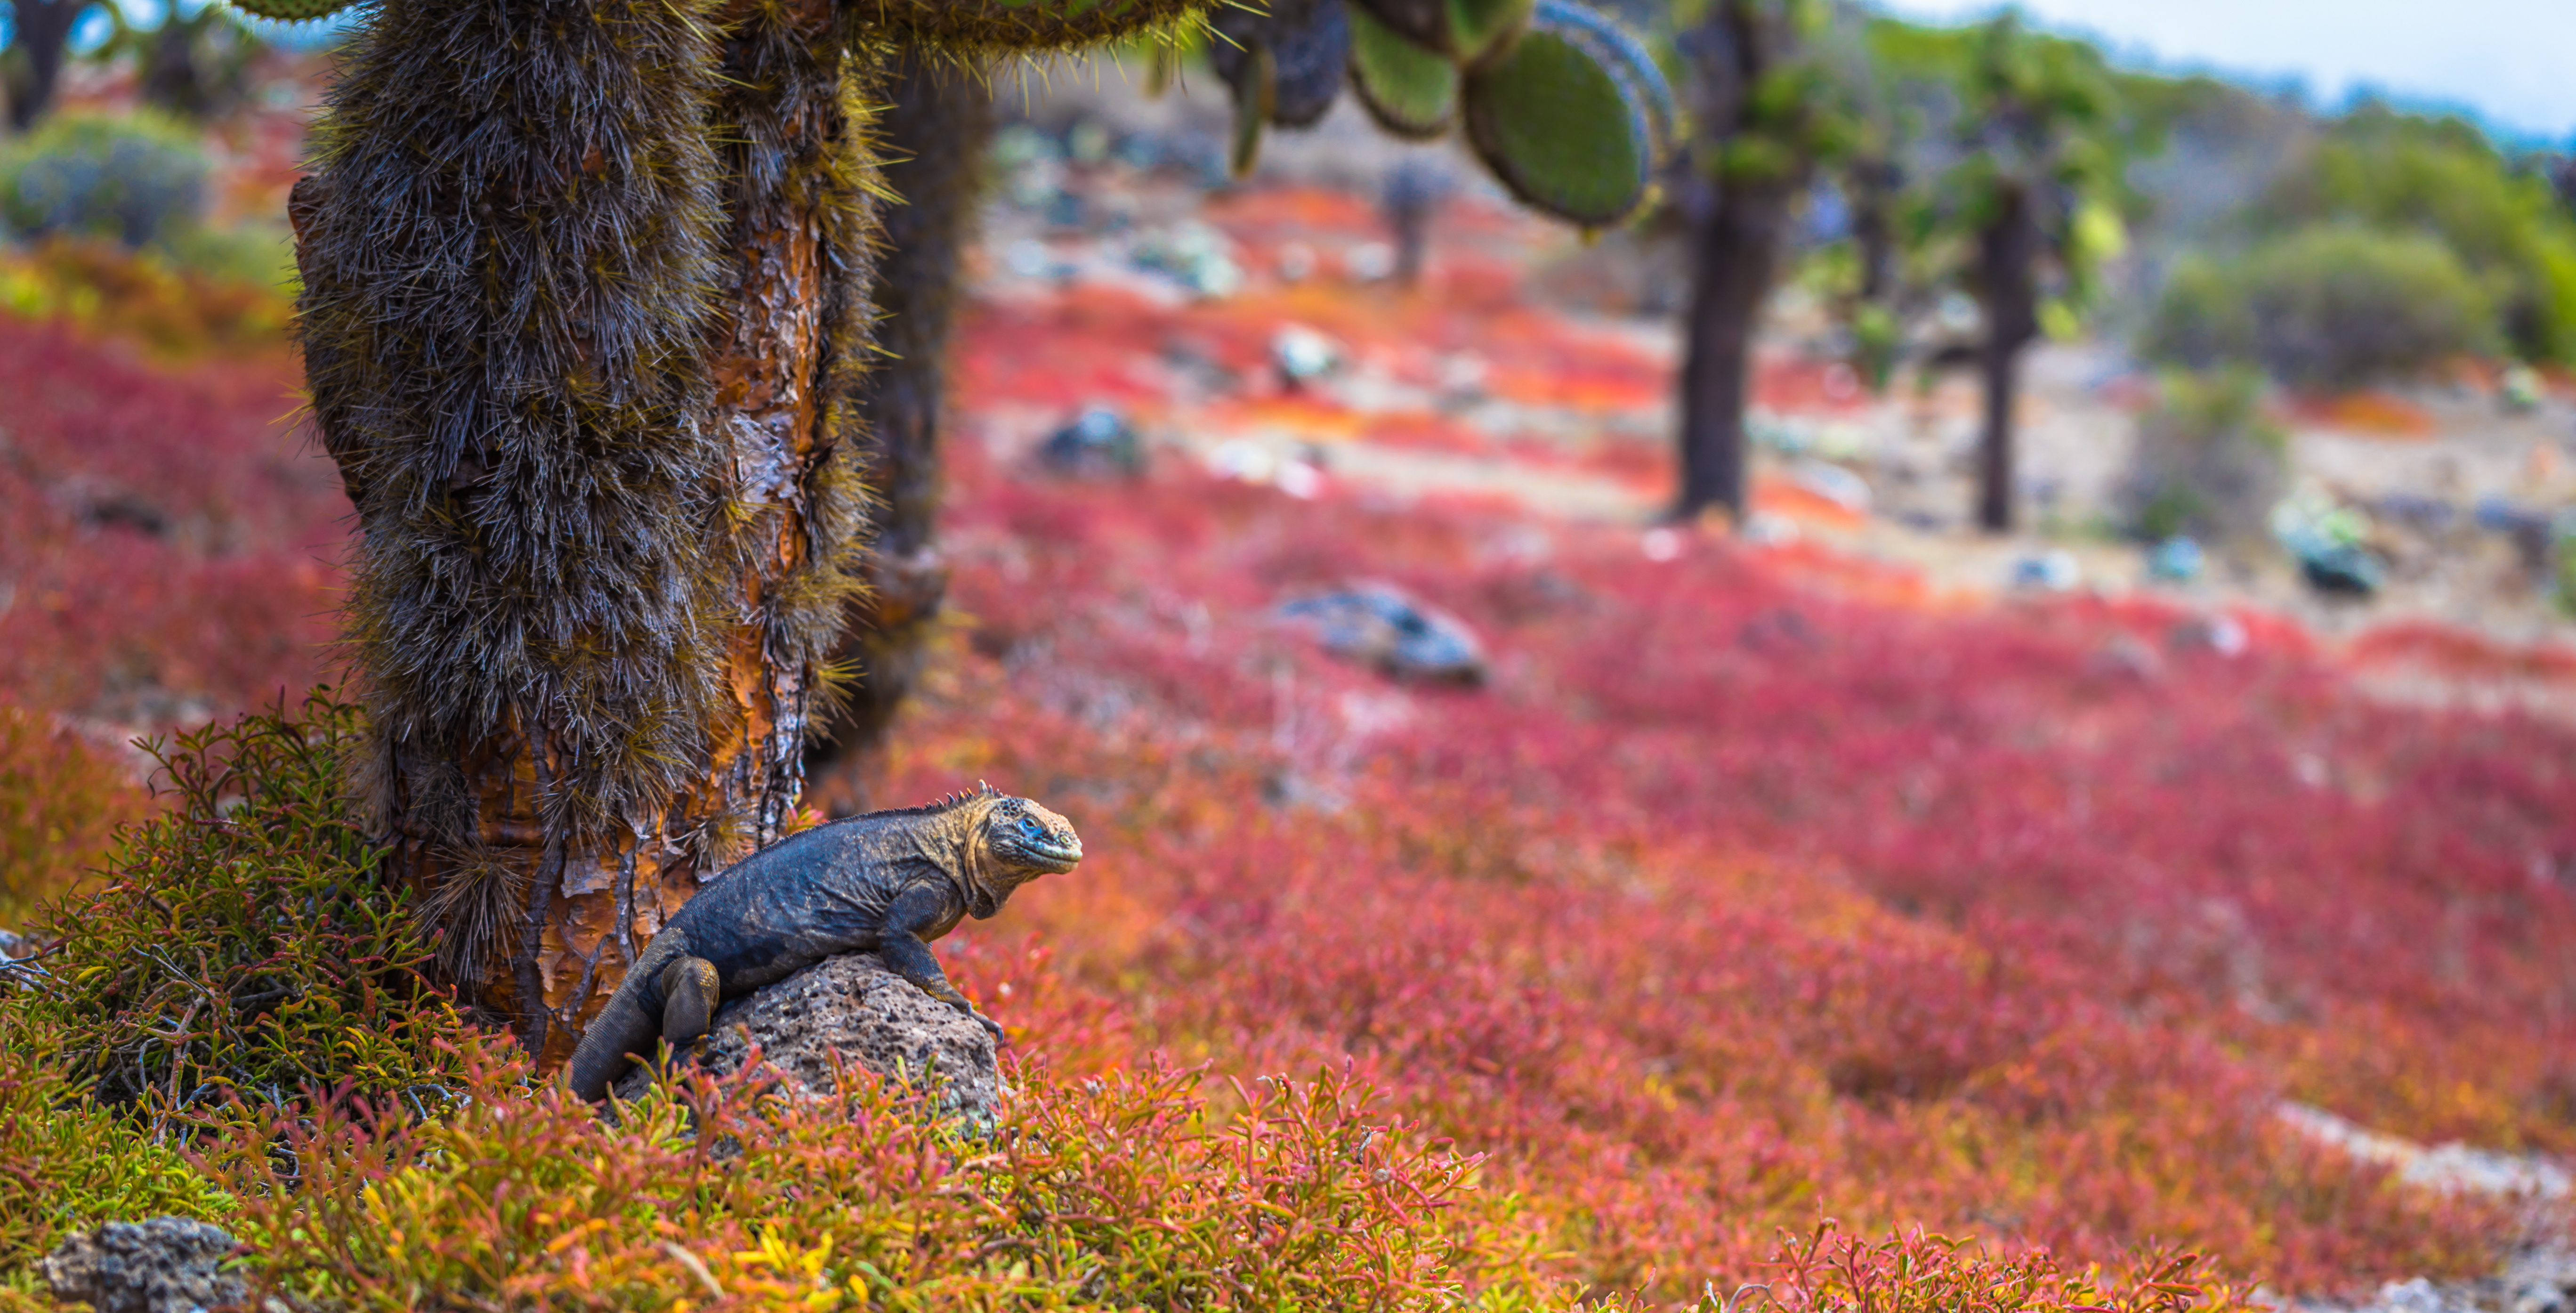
[(1643, 75), (291, 11), (1410, 91), (1483, 30), (1468, 32), (1561, 125)]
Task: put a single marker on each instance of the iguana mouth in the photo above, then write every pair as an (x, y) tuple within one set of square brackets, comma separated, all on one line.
[(1055, 858)]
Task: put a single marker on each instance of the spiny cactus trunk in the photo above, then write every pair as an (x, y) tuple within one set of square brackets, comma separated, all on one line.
[(1738, 246), (2007, 256), (937, 121), (585, 383)]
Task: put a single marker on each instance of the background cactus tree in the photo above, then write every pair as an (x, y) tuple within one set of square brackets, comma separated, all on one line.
[(2033, 193), (1766, 112)]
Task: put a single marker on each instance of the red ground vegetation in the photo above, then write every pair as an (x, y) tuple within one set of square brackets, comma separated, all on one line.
[(1754, 886), (1730, 901), (166, 544)]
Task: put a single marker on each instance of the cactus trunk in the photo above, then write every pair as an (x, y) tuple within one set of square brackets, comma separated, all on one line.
[(2007, 256), (583, 377), (1738, 244)]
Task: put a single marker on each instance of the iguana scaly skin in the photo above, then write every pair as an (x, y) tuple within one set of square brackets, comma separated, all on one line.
[(888, 881)]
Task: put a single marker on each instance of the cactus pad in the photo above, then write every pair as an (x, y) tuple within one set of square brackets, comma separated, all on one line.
[(291, 11), (1469, 32), (1308, 43), (1562, 123), (1630, 60), (1411, 92)]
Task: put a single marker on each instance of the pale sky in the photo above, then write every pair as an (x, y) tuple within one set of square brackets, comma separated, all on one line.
[(2512, 62)]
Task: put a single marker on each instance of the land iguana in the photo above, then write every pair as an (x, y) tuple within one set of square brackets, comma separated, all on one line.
[(888, 881)]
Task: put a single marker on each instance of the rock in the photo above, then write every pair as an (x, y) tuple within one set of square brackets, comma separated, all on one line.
[(854, 1009), (2054, 571), (1386, 628), (165, 1265), (1302, 355), (1099, 442), (2175, 560), (13, 944), (2347, 569)]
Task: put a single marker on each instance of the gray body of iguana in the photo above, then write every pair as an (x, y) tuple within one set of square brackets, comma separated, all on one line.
[(888, 881)]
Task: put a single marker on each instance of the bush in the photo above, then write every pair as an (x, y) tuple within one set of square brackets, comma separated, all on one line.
[(2441, 179), (248, 938), (67, 1163), (2332, 306), (138, 179), (1110, 1193), (2207, 463)]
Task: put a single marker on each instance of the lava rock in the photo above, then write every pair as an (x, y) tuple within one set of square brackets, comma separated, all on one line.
[(1099, 442), (165, 1265), (1392, 631), (853, 1010)]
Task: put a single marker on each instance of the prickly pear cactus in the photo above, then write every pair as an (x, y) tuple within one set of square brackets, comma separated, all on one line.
[(1562, 104), (1562, 121), (1284, 65), (1468, 32), (1412, 92), (1627, 57)]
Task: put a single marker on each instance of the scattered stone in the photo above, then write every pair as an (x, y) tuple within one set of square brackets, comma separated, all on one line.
[(1302, 355), (1099, 443), (2520, 390), (1385, 627), (2327, 540), (2347, 569), (2448, 1167), (2175, 560), (1196, 256), (1833, 483), (854, 1011), (2055, 571), (164, 1265), (2222, 634)]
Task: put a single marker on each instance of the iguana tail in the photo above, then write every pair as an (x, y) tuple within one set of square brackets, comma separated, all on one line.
[(669, 995)]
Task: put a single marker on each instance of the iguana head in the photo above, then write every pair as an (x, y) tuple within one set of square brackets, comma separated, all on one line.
[(1016, 841)]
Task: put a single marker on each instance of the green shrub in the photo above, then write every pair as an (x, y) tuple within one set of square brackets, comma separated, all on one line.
[(2441, 179), (2207, 462), (2335, 305), (67, 1163), (247, 937), (136, 178), (2202, 319)]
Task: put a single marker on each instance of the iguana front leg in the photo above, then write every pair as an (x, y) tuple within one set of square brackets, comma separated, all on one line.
[(908, 955)]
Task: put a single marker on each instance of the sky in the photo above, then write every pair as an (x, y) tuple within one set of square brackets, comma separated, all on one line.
[(2510, 62)]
